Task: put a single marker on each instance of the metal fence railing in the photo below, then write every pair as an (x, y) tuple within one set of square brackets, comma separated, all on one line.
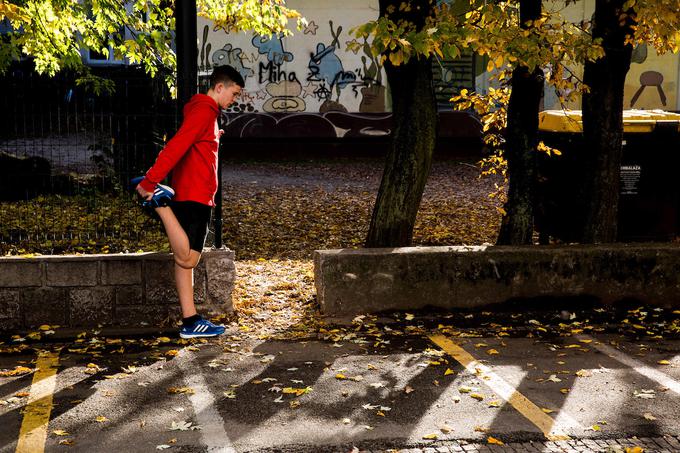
[(66, 156)]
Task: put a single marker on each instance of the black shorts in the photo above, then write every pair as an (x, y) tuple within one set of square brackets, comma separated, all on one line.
[(194, 219)]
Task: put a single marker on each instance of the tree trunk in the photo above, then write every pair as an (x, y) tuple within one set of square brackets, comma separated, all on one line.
[(409, 159), (603, 123), (517, 226)]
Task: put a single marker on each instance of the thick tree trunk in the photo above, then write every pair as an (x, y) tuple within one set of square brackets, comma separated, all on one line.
[(413, 140), (603, 123), (517, 226)]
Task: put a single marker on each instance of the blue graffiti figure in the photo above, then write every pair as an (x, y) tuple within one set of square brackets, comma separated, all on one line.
[(326, 66), (272, 46), (227, 55)]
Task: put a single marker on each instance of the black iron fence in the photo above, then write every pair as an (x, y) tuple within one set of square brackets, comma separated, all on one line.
[(66, 158)]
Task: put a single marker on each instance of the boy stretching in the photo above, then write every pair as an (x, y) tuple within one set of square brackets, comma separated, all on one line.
[(185, 211)]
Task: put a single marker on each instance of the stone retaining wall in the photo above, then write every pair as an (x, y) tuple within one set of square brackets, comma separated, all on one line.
[(126, 290), (373, 280)]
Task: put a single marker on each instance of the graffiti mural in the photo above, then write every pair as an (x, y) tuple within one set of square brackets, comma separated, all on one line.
[(325, 66), (310, 71), (227, 55), (285, 97), (651, 82), (311, 28), (272, 47)]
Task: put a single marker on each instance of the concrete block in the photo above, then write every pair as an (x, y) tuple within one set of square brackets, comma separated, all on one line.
[(221, 274), (20, 274), (107, 289), (129, 295), (146, 315), (373, 280), (200, 283), (71, 272), (121, 272), (159, 280), (91, 306), (11, 324), (9, 304), (45, 306)]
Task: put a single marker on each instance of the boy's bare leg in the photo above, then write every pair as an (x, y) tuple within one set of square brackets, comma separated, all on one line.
[(185, 260), (184, 279)]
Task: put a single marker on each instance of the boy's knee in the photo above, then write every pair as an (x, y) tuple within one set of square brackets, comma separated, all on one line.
[(189, 261)]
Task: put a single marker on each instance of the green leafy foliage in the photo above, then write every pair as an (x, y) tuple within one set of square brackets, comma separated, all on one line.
[(55, 32)]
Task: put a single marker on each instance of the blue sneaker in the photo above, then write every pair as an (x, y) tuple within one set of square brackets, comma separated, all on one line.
[(201, 328), (161, 195)]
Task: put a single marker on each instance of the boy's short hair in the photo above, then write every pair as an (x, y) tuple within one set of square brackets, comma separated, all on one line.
[(226, 75)]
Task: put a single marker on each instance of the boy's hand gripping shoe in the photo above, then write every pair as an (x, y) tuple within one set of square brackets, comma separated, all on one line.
[(161, 195)]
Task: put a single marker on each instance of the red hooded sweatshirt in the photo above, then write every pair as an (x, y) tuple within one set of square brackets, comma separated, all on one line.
[(191, 154)]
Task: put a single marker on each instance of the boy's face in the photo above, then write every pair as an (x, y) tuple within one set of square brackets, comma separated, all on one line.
[(227, 94)]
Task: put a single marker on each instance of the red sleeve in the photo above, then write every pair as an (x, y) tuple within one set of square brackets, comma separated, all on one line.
[(193, 126)]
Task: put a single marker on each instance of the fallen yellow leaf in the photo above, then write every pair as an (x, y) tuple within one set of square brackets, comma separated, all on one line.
[(187, 390), (101, 419), (635, 449), (493, 440), (17, 371), (297, 391), (448, 372), (432, 436)]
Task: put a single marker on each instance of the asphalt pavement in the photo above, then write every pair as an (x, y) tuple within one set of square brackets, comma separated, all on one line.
[(365, 386)]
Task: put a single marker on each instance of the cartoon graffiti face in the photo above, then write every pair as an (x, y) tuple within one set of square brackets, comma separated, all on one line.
[(232, 57), (326, 66), (272, 46), (285, 97)]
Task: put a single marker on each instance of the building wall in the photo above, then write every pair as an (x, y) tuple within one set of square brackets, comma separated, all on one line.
[(651, 83), (310, 71)]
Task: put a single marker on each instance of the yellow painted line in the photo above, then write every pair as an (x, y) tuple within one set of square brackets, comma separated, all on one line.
[(506, 391), (37, 413)]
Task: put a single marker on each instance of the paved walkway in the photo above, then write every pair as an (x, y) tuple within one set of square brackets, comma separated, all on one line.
[(373, 388)]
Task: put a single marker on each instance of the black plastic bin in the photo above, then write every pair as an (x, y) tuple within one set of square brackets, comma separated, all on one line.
[(649, 206)]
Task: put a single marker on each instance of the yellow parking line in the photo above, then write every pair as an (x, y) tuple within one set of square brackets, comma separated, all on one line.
[(520, 402), (37, 413)]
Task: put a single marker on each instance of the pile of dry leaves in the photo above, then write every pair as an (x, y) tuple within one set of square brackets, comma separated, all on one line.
[(287, 210)]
